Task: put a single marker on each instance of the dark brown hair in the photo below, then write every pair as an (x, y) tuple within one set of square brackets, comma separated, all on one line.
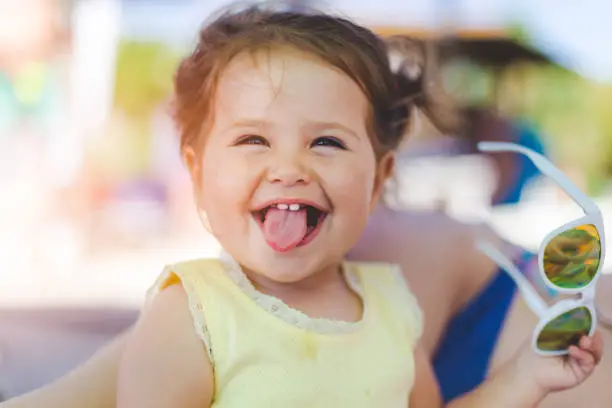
[(420, 82), (355, 50)]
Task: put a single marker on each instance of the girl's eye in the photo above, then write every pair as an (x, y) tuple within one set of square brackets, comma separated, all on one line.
[(329, 142), (252, 140)]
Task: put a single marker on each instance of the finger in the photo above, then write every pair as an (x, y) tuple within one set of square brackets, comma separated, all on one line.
[(585, 342), (593, 344), (585, 359), (597, 346), (575, 352)]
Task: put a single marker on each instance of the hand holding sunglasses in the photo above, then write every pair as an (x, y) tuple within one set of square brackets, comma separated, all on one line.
[(570, 260)]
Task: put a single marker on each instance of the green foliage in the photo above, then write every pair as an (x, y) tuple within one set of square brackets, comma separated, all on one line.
[(573, 114), (144, 77), (517, 32), (143, 83)]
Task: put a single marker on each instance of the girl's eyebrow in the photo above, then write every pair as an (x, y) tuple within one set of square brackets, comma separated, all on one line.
[(312, 126), (318, 126)]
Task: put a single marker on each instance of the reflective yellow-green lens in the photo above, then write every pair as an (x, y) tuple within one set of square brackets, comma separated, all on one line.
[(565, 330), (571, 259)]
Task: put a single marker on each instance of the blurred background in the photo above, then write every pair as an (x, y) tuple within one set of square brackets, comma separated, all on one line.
[(94, 197)]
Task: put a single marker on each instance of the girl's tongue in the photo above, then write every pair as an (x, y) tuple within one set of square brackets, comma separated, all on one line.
[(284, 229)]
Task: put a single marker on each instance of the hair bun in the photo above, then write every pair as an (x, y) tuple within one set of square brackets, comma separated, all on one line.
[(407, 65), (418, 81), (407, 62)]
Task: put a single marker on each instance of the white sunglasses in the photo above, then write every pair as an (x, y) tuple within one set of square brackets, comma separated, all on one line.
[(570, 260)]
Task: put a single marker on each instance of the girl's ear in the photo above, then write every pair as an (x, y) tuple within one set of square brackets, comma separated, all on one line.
[(384, 170), (193, 164), (204, 219), (195, 171)]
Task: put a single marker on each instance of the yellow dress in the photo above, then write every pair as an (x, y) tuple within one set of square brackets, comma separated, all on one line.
[(268, 355)]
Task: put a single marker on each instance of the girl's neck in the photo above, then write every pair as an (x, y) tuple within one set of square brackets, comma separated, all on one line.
[(326, 294), (328, 278)]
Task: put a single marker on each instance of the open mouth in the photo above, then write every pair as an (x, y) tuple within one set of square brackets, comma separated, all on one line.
[(289, 225)]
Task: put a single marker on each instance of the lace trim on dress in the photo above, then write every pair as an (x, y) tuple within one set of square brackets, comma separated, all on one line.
[(195, 306), (292, 316), (413, 308)]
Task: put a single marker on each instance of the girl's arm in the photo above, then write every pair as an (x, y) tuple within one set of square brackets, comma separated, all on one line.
[(92, 384), (501, 391), (425, 391), (508, 388), (522, 383), (165, 364)]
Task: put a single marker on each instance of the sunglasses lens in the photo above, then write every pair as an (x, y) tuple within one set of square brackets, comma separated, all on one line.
[(565, 330), (571, 259)]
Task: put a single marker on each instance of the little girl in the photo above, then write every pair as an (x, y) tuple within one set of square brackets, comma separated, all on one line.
[(288, 125)]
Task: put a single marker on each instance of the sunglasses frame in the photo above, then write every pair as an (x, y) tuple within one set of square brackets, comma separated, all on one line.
[(592, 216)]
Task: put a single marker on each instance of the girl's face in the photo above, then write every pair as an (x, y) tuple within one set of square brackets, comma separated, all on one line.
[(287, 176)]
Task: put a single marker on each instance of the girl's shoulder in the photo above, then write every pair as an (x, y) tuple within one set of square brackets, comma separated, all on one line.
[(194, 283), (164, 342), (193, 275)]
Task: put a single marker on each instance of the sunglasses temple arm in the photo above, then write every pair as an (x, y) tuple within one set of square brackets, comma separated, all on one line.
[(548, 169), (534, 301)]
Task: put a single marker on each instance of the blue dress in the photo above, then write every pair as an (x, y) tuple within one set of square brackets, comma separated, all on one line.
[(461, 362)]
